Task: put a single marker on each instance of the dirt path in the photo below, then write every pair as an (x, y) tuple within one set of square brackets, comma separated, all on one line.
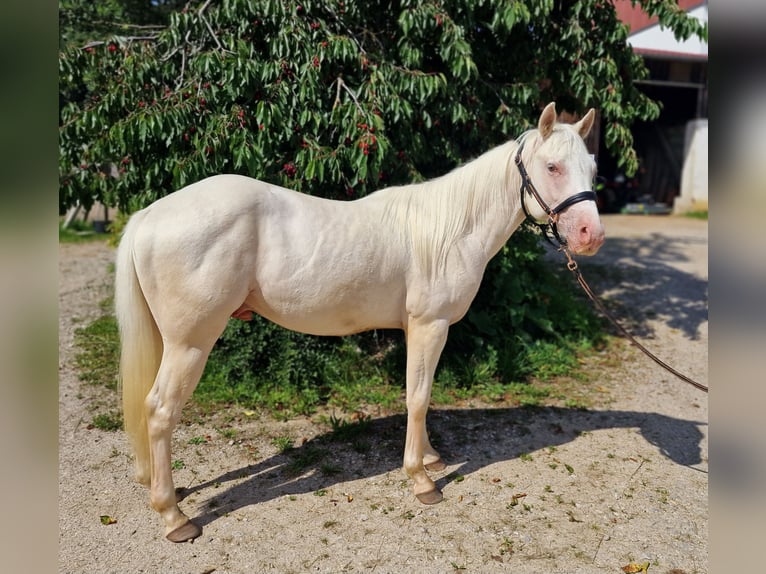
[(526, 491)]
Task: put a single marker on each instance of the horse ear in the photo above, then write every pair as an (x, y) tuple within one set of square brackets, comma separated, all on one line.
[(586, 123), (547, 120)]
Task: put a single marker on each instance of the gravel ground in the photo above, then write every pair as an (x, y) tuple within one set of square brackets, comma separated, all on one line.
[(526, 490)]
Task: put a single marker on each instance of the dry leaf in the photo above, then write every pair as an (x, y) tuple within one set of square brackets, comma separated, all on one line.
[(106, 519), (634, 568)]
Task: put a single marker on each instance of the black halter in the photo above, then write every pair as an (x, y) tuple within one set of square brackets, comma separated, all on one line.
[(553, 214)]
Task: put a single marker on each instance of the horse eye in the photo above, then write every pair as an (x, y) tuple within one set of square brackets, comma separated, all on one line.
[(552, 167)]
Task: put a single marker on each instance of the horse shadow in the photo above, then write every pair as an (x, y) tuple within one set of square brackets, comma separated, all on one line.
[(472, 438), (640, 282)]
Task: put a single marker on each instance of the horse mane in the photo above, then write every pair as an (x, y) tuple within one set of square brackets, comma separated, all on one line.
[(433, 215)]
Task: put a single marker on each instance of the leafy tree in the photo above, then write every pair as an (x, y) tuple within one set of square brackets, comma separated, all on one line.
[(338, 98)]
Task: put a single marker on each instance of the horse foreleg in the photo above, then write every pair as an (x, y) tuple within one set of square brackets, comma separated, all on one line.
[(425, 342), (179, 373)]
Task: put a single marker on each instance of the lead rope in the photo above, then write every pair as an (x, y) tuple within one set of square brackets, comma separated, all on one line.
[(572, 266)]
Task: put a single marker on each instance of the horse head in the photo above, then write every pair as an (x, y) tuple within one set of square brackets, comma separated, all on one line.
[(558, 162)]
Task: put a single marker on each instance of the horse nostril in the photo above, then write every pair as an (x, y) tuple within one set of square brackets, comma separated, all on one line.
[(585, 234)]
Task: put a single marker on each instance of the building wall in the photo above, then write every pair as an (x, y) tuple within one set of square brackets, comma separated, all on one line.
[(694, 175)]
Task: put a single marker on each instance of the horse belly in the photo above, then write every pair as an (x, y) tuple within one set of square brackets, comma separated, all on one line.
[(339, 311)]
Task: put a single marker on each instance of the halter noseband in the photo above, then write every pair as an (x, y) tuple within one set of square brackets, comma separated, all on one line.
[(553, 214)]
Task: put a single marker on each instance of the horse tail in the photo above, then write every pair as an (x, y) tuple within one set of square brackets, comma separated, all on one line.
[(141, 348)]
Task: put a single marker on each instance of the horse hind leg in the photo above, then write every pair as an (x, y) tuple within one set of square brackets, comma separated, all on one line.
[(431, 459), (179, 373)]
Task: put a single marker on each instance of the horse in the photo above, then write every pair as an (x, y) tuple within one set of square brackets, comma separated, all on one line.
[(407, 257)]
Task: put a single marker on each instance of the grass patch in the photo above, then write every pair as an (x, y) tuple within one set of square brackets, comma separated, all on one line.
[(282, 443), (98, 352), (80, 232), (349, 431), (110, 421), (702, 214)]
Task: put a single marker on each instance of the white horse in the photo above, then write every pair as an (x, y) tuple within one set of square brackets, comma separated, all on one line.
[(409, 257)]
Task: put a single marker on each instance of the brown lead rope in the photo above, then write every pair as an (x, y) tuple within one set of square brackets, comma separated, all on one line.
[(572, 266)]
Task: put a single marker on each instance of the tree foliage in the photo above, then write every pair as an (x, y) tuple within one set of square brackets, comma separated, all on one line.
[(332, 97)]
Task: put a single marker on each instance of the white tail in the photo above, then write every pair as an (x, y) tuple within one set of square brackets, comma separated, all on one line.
[(141, 349)]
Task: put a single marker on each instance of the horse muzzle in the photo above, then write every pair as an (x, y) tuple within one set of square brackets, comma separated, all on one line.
[(585, 237)]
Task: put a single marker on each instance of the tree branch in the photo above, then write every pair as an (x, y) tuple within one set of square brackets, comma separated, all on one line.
[(127, 25), (95, 43), (201, 14), (342, 84)]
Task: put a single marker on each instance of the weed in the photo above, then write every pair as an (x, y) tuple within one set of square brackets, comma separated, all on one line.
[(229, 433), (283, 443), (99, 352), (178, 464), (111, 421), (361, 446), (576, 403), (306, 457), (344, 430), (197, 440), (329, 469), (506, 547)]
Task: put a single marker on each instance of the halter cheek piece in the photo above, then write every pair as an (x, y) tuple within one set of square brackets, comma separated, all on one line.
[(553, 214)]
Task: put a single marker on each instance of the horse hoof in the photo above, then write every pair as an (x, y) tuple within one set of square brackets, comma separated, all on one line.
[(184, 533), (436, 465), (431, 497)]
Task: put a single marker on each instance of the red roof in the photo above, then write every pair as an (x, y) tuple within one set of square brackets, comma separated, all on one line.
[(637, 19)]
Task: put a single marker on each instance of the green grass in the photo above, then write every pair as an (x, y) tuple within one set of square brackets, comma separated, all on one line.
[(282, 443), (79, 232), (703, 214), (111, 421), (98, 352)]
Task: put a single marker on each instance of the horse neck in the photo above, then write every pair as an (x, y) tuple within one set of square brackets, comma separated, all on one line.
[(496, 210), (478, 200)]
